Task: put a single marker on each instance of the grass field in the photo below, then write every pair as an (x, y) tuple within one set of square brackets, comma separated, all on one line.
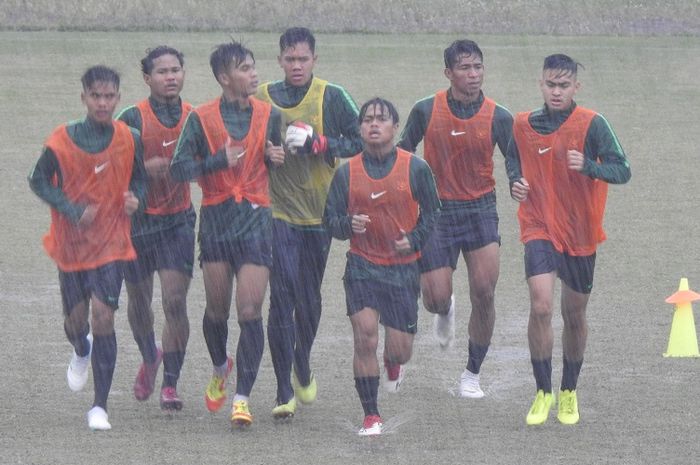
[(636, 406)]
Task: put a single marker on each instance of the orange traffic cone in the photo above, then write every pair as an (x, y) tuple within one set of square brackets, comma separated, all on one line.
[(683, 341)]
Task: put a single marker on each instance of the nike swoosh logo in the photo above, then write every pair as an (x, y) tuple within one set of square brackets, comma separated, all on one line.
[(99, 168), (376, 195), (165, 144), (412, 326), (455, 133), (544, 150)]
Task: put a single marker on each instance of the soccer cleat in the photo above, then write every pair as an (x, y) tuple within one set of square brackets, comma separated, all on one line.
[(169, 400), (305, 394), (568, 407), (98, 420), (444, 326), (372, 426), (469, 385), (77, 374), (240, 414), (215, 395), (284, 411), (146, 378), (540, 408), (392, 377)]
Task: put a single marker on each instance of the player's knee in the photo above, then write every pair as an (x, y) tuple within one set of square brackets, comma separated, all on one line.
[(365, 343)]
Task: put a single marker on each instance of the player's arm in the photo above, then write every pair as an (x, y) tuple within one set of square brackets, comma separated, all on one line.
[(425, 193), (336, 219), (139, 177), (46, 181), (519, 187), (502, 128), (132, 117), (602, 145), (416, 125), (340, 124), (274, 151), (192, 157)]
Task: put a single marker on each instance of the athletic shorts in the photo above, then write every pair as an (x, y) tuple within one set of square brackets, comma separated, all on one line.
[(461, 231), (168, 250), (252, 249), (576, 272), (397, 305), (105, 282)]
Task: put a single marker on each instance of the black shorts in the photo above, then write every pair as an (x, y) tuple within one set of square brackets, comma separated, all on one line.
[(170, 250), (577, 272), (460, 231), (252, 249), (77, 286), (397, 305)]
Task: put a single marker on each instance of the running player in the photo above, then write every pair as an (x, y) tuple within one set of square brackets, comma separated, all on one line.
[(320, 120), (223, 146), (460, 128), (91, 174), (163, 235), (385, 202), (559, 162)]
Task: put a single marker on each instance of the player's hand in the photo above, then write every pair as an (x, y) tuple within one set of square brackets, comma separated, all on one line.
[(157, 167), (359, 223), (575, 160), (519, 190), (301, 138), (88, 216), (131, 203), (402, 245), (274, 153), (233, 151)]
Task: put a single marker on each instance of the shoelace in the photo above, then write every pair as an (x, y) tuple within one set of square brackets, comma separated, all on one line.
[(567, 404)]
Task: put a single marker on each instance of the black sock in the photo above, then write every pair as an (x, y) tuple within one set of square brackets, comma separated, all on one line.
[(251, 344), (281, 342), (477, 353), (79, 341), (367, 389), (172, 365), (570, 376), (216, 335), (147, 347), (542, 369), (104, 358)]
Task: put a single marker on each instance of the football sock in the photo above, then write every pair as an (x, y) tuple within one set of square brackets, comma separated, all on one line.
[(281, 341), (104, 358), (570, 376), (477, 353), (367, 389), (542, 369), (251, 344), (147, 347), (216, 335), (172, 365), (79, 341)]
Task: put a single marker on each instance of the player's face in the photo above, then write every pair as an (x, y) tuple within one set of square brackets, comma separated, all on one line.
[(101, 99), (558, 88), (241, 81), (466, 76), (378, 129), (298, 63), (166, 79)]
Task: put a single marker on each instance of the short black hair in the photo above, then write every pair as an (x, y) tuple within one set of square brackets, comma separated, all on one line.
[(159, 51), (296, 35), (461, 47), (226, 54), (561, 62), (99, 73), (382, 103)]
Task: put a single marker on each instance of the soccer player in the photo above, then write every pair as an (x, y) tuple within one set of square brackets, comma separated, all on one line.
[(163, 235), (320, 120), (460, 128), (560, 161), (227, 145), (385, 202), (91, 174)]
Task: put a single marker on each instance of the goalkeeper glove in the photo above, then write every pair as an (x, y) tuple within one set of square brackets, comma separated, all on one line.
[(301, 137)]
